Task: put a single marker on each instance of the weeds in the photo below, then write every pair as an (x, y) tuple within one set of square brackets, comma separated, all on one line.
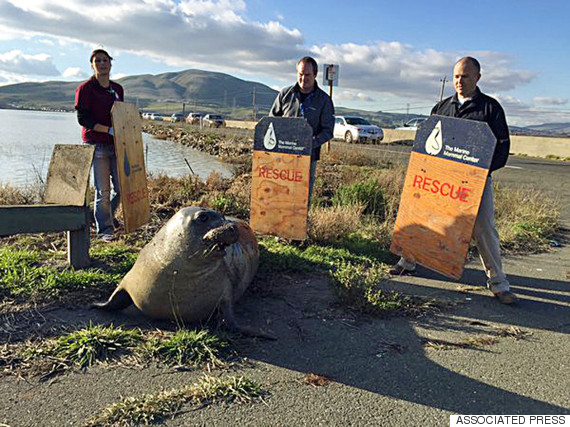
[(94, 343), (28, 273), (357, 277), (153, 408), (526, 220), (195, 347), (97, 344)]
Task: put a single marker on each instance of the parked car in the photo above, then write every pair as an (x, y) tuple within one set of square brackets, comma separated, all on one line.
[(412, 124), (194, 118), (213, 121), (356, 129), (177, 117)]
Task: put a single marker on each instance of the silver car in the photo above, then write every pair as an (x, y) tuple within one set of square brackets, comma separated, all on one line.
[(356, 129)]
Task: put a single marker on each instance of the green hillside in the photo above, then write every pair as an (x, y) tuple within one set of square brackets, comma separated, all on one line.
[(194, 87)]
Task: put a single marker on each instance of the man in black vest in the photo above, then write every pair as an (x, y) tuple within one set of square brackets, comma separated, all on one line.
[(469, 103), (306, 99)]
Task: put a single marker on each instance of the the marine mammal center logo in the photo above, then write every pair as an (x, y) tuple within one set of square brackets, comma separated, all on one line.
[(270, 140), (434, 142)]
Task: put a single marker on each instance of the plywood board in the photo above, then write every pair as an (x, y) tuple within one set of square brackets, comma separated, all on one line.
[(130, 163), (438, 208), (442, 192), (280, 194), (68, 174)]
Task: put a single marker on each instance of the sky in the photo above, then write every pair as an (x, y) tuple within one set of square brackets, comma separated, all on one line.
[(392, 55)]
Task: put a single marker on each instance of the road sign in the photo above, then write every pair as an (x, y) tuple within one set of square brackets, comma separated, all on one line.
[(280, 177), (330, 75), (130, 164), (444, 183)]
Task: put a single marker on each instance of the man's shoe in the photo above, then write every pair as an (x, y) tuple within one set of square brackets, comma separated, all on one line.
[(107, 237), (398, 270), (506, 297)]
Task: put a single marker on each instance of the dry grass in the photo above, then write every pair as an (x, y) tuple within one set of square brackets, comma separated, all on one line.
[(334, 223), (154, 408), (316, 380), (28, 195), (526, 219)]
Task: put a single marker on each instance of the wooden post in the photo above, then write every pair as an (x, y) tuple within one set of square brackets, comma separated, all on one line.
[(442, 192), (78, 242), (328, 144)]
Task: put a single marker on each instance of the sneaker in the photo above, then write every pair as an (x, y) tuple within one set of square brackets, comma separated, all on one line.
[(107, 237), (506, 297), (398, 270)]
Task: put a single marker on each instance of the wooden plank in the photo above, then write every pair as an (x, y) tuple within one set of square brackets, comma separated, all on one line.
[(280, 194), (68, 174), (438, 208), (41, 219), (442, 192), (130, 161)]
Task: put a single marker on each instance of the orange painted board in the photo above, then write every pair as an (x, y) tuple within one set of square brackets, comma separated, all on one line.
[(437, 212), (279, 194), (130, 163)]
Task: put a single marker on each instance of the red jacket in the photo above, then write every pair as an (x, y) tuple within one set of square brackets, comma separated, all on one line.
[(93, 104)]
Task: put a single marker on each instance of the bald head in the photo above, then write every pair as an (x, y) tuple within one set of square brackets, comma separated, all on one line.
[(466, 74)]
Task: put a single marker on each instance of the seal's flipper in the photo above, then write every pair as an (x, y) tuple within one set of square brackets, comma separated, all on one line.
[(118, 300), (231, 324)]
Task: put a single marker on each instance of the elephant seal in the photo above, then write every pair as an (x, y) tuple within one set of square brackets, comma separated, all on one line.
[(198, 261)]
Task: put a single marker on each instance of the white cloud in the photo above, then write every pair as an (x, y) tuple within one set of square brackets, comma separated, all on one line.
[(74, 73), (520, 113), (217, 35), (352, 96), (549, 101), (17, 62)]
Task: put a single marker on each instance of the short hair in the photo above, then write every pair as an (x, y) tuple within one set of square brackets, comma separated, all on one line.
[(472, 61), (96, 51), (309, 60)]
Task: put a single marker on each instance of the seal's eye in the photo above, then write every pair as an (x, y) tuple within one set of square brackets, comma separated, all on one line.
[(202, 217)]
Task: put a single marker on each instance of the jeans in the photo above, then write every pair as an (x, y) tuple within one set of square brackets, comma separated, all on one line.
[(105, 172)]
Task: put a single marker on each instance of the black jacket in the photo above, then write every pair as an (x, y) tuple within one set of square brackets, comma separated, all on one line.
[(482, 108), (317, 109)]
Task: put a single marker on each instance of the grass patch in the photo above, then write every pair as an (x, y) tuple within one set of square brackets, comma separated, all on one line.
[(357, 276), (99, 344), (470, 343), (153, 408), (188, 347), (93, 344), (24, 274), (369, 195), (526, 220), (41, 275)]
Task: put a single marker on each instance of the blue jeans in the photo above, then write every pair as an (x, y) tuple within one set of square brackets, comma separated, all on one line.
[(105, 171)]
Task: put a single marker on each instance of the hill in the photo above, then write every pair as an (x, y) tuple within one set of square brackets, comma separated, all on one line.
[(190, 86)]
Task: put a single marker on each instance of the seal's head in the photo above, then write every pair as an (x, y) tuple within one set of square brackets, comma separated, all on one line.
[(200, 233)]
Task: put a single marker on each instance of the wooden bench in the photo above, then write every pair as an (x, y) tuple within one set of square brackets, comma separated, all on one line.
[(66, 208)]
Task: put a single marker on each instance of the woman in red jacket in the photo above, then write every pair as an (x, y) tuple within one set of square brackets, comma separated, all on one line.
[(93, 102)]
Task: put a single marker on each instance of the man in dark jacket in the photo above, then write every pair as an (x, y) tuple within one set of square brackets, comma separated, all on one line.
[(469, 103), (305, 99)]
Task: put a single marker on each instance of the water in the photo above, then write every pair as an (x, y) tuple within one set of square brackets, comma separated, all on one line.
[(27, 139)]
